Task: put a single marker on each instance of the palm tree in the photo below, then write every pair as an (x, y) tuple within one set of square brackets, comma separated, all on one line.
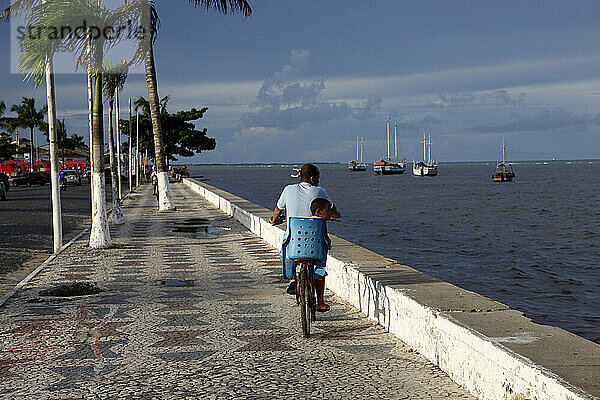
[(89, 54), (28, 116), (114, 79), (165, 201), (19, 7)]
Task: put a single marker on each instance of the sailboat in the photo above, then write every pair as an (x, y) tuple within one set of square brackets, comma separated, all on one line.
[(389, 166), (427, 167), (504, 172), (358, 165)]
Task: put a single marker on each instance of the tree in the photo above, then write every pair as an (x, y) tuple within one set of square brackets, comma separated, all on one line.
[(181, 136), (18, 7), (7, 149), (2, 108), (114, 80), (165, 201), (89, 51), (75, 142), (62, 137), (28, 116)]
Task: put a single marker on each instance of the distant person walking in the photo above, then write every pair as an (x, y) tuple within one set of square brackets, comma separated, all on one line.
[(296, 200)]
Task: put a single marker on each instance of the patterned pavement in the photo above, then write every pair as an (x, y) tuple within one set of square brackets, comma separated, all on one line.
[(194, 307)]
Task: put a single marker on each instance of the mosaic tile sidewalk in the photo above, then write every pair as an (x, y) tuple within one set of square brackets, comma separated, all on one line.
[(194, 308)]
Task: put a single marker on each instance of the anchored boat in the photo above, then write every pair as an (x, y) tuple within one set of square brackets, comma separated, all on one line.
[(388, 166), (427, 167), (504, 172), (358, 165)]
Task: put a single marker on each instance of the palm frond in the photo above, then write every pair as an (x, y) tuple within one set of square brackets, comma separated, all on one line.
[(225, 6), (114, 77), (66, 17), (17, 8)]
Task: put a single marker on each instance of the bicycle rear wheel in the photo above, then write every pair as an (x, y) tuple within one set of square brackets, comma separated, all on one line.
[(304, 301)]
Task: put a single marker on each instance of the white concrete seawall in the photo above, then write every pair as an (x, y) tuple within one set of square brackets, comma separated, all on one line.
[(492, 351)]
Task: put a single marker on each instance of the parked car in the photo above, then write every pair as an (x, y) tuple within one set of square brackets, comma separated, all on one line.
[(2, 191), (4, 179), (30, 178), (72, 177)]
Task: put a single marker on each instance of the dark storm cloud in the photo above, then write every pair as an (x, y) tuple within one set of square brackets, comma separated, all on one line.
[(285, 101)]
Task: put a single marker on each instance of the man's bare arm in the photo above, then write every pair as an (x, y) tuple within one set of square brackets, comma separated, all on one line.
[(275, 216)]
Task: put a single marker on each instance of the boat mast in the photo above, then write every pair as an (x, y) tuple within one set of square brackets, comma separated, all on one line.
[(429, 150), (387, 132), (395, 140), (503, 147), (424, 148), (357, 148), (362, 146)]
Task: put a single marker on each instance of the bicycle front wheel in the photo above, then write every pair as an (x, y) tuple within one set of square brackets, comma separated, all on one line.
[(304, 300)]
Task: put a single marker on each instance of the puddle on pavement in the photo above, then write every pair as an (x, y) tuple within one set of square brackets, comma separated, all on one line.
[(201, 231), (195, 221), (189, 229), (176, 283)]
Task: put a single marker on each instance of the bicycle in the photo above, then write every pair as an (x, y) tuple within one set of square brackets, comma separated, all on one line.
[(305, 246)]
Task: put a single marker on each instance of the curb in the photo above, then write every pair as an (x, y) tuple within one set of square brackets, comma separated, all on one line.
[(38, 269), (32, 275)]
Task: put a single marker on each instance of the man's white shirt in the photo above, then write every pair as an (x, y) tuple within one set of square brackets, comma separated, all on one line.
[(295, 199)]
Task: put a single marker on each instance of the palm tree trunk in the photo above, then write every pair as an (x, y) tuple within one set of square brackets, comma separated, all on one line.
[(90, 85), (31, 155), (54, 178), (117, 212), (165, 199), (129, 158), (99, 235), (117, 116)]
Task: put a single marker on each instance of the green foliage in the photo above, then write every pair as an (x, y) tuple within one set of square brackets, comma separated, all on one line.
[(114, 78), (35, 50), (28, 116), (7, 150), (180, 136), (65, 142)]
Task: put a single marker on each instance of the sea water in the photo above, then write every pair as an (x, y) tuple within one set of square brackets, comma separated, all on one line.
[(533, 244)]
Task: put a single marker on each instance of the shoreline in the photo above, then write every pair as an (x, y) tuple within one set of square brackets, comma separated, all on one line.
[(299, 163)]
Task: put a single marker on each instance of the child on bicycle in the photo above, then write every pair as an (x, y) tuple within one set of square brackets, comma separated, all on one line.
[(319, 208)]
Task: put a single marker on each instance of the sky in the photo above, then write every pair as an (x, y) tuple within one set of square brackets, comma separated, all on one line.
[(297, 81)]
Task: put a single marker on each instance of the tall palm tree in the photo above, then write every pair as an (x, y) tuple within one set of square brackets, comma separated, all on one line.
[(165, 200), (28, 116), (89, 54), (18, 7), (114, 80)]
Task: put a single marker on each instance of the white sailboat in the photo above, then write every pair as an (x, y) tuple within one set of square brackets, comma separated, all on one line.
[(388, 166), (427, 167), (358, 165)]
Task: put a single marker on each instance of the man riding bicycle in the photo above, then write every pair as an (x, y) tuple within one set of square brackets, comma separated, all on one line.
[(296, 200)]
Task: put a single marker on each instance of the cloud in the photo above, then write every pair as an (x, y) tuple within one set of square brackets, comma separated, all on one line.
[(502, 96), (545, 120), (287, 102)]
